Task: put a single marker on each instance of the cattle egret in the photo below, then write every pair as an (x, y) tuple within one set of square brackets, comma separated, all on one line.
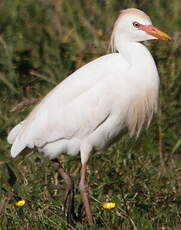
[(90, 108)]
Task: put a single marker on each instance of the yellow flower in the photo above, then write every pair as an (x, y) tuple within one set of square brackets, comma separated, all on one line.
[(109, 205), (20, 203)]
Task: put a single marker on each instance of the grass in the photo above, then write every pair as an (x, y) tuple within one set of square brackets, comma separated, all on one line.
[(41, 42)]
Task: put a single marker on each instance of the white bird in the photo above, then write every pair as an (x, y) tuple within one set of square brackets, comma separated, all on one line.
[(91, 107)]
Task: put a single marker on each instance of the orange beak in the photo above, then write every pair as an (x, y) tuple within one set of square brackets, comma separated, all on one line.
[(153, 31)]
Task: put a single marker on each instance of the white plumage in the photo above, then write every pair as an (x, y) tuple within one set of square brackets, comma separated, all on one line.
[(91, 107), (88, 110)]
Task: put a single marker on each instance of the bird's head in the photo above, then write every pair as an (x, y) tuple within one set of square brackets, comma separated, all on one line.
[(134, 25)]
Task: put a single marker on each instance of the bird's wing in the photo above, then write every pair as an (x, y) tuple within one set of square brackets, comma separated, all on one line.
[(74, 107)]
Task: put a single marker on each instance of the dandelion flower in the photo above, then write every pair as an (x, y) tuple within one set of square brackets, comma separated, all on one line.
[(20, 203), (109, 205)]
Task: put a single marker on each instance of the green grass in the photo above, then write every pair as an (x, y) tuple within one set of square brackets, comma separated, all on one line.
[(41, 42)]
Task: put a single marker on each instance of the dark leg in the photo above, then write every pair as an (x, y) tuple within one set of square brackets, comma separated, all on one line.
[(69, 193), (85, 196)]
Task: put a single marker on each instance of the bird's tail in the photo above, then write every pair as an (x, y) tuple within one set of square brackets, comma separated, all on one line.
[(17, 145), (14, 133)]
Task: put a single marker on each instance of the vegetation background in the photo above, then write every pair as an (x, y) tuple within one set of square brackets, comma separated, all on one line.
[(42, 42)]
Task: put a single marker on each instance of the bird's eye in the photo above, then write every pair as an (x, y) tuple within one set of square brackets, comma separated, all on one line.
[(136, 24)]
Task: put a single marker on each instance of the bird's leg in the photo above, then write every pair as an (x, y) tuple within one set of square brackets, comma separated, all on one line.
[(69, 196), (69, 193), (84, 192)]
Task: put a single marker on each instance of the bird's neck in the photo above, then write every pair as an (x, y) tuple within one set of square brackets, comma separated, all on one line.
[(140, 61), (133, 52)]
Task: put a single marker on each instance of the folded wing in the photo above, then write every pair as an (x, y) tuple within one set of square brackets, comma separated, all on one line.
[(73, 108)]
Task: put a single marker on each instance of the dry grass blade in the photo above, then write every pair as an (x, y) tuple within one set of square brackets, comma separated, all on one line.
[(24, 103)]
